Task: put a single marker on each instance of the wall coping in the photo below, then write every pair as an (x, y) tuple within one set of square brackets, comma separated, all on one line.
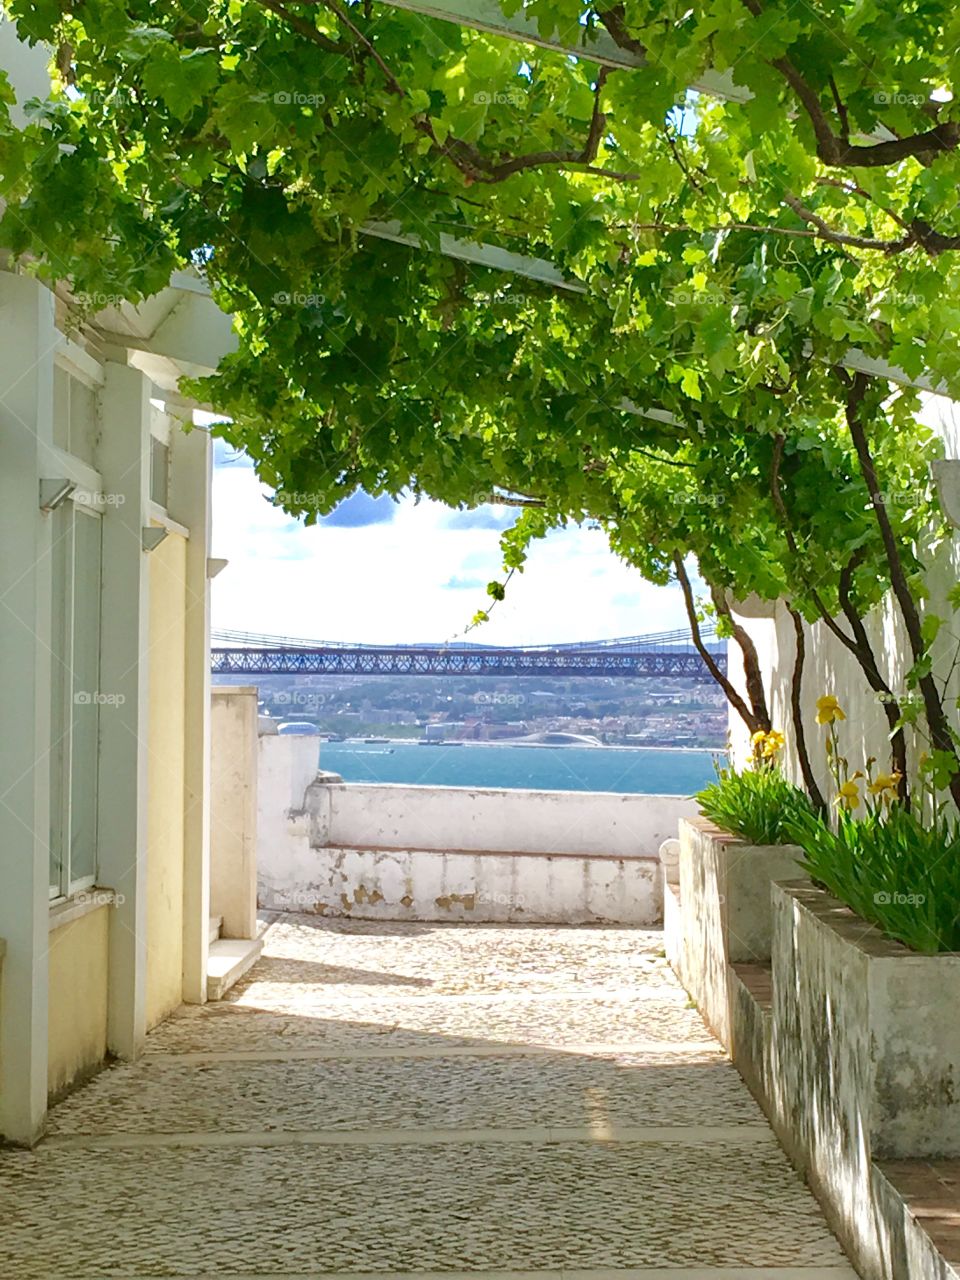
[(626, 796), (493, 853), (829, 913), (708, 828)]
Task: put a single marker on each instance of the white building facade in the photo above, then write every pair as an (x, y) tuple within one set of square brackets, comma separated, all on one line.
[(104, 524)]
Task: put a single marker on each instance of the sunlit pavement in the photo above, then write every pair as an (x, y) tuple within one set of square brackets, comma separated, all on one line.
[(398, 1100)]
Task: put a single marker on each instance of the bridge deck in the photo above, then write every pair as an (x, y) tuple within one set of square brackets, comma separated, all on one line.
[(391, 660)]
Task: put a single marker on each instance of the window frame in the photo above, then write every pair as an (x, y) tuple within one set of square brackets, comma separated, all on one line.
[(63, 651)]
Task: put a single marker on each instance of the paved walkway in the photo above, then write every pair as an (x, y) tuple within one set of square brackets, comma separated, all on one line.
[(401, 1100)]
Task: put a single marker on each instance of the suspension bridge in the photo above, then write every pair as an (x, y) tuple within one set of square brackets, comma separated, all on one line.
[(664, 653)]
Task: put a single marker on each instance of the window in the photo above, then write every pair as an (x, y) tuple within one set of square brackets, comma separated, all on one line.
[(74, 416), (76, 698)]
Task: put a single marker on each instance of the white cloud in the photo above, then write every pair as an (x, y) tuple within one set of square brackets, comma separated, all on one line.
[(402, 581)]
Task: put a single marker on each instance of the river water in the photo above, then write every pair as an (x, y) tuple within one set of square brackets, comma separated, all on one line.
[(647, 770)]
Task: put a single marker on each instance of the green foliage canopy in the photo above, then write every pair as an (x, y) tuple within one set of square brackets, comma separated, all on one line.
[(724, 255)]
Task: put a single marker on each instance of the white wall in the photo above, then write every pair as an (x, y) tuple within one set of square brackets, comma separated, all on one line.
[(434, 885), (509, 821), (286, 765), (454, 853), (233, 809)]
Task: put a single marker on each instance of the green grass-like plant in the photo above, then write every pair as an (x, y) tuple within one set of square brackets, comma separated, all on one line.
[(892, 870), (758, 804)]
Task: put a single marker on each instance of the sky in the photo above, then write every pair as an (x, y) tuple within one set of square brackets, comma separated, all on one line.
[(378, 571)]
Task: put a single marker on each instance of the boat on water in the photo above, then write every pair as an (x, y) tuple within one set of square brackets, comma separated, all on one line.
[(439, 742)]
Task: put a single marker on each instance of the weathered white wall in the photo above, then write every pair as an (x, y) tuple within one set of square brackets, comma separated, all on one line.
[(454, 853), (482, 819), (435, 885), (286, 767), (830, 668)]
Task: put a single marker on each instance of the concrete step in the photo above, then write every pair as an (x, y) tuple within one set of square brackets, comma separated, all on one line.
[(228, 960), (216, 924)]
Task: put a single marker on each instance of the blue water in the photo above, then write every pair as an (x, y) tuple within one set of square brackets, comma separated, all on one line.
[(647, 770)]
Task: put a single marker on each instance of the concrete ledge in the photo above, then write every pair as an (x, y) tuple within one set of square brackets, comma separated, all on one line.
[(493, 853), (228, 960), (80, 905)]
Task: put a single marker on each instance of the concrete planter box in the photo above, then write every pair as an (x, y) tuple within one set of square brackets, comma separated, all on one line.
[(866, 1032), (864, 1063), (724, 910)]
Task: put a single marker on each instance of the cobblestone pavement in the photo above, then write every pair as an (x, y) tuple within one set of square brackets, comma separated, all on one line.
[(382, 1100)]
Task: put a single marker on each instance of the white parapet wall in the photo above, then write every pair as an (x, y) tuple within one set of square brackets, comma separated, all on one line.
[(389, 852)]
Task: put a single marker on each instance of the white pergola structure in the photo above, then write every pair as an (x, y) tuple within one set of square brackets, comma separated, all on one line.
[(594, 44), (136, 355)]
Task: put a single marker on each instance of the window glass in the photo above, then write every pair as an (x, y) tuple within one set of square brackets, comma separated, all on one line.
[(87, 697), (62, 556)]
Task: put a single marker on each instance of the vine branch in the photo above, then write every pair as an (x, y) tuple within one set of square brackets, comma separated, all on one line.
[(732, 696)]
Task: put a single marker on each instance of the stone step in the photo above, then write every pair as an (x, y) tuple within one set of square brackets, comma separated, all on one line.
[(216, 924), (228, 960)]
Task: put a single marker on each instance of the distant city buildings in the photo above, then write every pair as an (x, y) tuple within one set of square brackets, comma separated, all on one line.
[(616, 712)]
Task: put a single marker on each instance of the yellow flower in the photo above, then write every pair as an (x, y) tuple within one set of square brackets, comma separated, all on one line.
[(766, 745), (829, 709), (885, 785), (849, 795)]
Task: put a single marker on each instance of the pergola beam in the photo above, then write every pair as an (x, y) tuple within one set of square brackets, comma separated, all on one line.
[(480, 255), (196, 334), (544, 272), (594, 44)]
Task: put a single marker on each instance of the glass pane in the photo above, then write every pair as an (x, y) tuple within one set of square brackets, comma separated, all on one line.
[(62, 533), (88, 698)]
